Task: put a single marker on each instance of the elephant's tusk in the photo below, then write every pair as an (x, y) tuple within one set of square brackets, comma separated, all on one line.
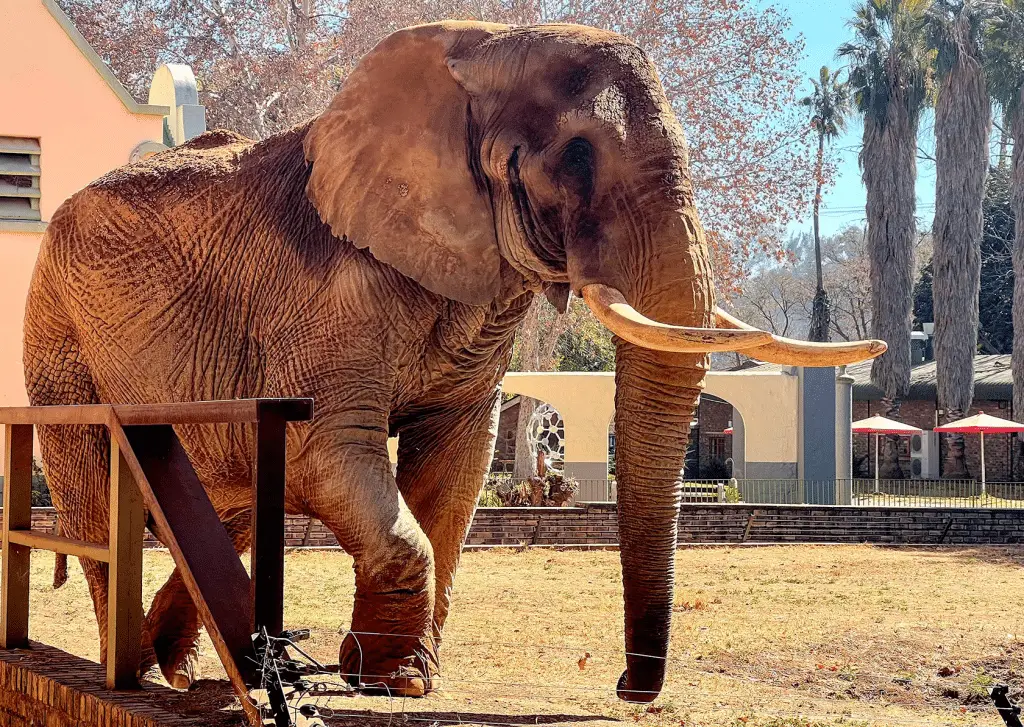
[(624, 321), (790, 352)]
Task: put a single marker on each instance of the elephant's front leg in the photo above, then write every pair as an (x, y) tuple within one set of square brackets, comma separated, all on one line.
[(442, 462), (353, 493)]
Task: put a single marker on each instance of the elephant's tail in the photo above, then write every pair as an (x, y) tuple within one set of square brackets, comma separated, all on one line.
[(60, 563), (60, 570)]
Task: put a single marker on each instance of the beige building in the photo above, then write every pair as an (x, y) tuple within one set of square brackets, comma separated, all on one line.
[(64, 121), (769, 440)]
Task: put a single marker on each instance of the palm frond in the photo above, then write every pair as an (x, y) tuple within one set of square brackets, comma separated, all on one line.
[(888, 56), (1004, 52), (829, 103), (954, 31)]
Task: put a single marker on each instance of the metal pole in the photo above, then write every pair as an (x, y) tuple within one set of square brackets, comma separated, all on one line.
[(983, 464), (876, 463)]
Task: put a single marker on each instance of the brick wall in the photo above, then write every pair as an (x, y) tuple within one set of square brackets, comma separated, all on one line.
[(46, 686), (588, 525), (595, 525), (922, 414), (505, 442), (698, 523), (713, 447)]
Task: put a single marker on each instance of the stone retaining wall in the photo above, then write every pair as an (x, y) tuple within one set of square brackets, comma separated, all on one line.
[(595, 525)]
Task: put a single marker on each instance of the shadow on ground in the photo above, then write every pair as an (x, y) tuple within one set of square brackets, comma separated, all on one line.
[(467, 719), (214, 700), (1011, 554)]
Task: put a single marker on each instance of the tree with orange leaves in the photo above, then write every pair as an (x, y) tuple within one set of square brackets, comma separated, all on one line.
[(728, 67)]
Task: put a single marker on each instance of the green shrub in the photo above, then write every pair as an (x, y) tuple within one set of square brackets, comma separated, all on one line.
[(488, 498)]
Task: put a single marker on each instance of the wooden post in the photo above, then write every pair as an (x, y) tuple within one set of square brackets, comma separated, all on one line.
[(17, 516), (124, 598), (267, 557)]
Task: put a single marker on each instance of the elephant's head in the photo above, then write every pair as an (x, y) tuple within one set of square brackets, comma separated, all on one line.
[(467, 155)]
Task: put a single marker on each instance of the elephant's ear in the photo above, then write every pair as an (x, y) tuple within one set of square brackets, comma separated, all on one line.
[(392, 168)]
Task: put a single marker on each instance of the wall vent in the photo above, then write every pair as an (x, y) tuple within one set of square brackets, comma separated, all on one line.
[(19, 179)]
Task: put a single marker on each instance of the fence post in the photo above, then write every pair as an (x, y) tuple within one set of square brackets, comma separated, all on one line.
[(124, 598), (267, 555), (17, 516)]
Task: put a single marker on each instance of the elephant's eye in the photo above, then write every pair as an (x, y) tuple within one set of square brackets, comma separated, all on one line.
[(577, 166)]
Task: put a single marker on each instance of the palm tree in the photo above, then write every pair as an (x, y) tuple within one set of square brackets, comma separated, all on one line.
[(1005, 57), (829, 105), (963, 126), (889, 70)]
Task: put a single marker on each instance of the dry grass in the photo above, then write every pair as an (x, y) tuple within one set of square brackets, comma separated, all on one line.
[(840, 635)]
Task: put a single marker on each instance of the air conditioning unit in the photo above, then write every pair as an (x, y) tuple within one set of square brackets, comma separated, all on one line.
[(924, 456)]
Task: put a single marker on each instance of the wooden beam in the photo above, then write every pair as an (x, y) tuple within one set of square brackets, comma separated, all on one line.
[(57, 544), (186, 522), (14, 578), (83, 414), (267, 553), (234, 411), (124, 597)]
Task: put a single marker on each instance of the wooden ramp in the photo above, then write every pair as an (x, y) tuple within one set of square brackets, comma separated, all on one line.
[(149, 469)]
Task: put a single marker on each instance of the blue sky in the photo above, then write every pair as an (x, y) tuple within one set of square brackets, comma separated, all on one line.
[(823, 26)]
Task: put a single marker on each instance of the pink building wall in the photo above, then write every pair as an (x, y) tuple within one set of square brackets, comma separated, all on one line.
[(51, 90)]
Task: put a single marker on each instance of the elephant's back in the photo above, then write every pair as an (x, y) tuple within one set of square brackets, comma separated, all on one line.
[(132, 212), (160, 267)]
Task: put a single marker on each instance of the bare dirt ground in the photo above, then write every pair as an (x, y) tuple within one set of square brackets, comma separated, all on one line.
[(785, 636)]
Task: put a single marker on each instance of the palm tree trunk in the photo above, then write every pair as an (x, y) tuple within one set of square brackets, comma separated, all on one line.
[(889, 465), (820, 324), (1017, 205), (888, 161), (963, 124)]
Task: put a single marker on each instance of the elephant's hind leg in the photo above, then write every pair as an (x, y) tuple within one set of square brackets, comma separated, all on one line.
[(442, 462), (75, 458), (173, 619)]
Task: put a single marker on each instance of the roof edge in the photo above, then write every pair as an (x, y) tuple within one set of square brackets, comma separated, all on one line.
[(102, 68)]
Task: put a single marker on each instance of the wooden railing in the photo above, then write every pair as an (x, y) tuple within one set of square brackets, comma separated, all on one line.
[(150, 472)]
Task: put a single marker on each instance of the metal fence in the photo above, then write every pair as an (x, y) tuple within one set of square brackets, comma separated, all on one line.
[(865, 492), (937, 493)]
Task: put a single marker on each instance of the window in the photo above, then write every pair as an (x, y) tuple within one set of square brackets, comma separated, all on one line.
[(716, 446), (19, 179)]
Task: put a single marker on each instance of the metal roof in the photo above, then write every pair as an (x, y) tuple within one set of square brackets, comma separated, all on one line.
[(993, 380)]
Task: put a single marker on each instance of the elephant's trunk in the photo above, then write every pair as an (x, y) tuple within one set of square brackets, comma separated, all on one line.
[(654, 402)]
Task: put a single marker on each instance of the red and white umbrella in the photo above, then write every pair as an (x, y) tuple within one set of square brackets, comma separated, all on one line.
[(981, 423), (727, 430), (879, 425)]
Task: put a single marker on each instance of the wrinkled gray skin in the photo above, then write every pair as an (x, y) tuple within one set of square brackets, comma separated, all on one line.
[(517, 161)]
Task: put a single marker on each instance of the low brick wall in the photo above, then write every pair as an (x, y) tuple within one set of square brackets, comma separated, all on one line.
[(817, 524), (595, 525), (586, 525), (46, 686)]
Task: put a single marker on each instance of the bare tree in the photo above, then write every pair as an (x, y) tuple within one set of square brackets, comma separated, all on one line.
[(776, 299)]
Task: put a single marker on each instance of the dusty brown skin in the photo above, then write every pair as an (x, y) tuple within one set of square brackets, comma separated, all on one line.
[(378, 259)]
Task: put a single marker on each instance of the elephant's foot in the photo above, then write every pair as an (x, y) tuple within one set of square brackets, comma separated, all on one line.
[(183, 676), (180, 664), (390, 666)]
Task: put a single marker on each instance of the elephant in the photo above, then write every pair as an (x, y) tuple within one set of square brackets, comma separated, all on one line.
[(378, 259)]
